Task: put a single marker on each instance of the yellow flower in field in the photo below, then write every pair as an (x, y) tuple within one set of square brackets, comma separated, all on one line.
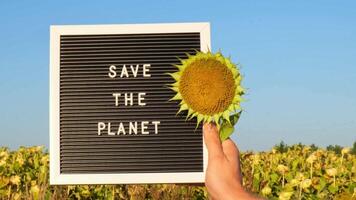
[(19, 159), (274, 150), (282, 169), (315, 181), (85, 191), (4, 154), (35, 190), (4, 180), (353, 169), (322, 195), (16, 196), (331, 171), (285, 195), (45, 159), (300, 176), (3, 157), (317, 166), (256, 159), (345, 150), (31, 150), (71, 187), (35, 149), (39, 148), (306, 149), (294, 182), (311, 158), (306, 183), (2, 162), (15, 180), (266, 190), (318, 153), (33, 182)]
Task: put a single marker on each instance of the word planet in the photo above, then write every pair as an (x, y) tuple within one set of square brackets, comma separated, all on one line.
[(129, 128)]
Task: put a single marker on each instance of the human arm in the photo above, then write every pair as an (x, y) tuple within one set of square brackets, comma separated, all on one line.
[(223, 175)]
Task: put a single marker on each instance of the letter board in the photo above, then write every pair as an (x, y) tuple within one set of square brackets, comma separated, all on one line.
[(111, 120)]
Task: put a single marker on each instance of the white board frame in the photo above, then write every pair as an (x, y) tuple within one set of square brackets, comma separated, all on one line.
[(56, 178)]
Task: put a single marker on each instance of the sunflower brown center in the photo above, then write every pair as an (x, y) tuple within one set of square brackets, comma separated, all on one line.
[(207, 86)]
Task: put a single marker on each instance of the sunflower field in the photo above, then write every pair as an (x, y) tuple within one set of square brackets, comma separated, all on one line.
[(285, 172)]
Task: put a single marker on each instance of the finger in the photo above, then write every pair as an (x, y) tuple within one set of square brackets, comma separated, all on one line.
[(233, 156), (212, 140), (231, 152)]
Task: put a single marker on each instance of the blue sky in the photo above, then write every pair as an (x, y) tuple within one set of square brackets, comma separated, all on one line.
[(298, 58)]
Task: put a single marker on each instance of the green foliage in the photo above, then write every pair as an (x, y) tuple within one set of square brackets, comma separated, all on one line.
[(281, 147), (286, 172), (335, 148), (313, 147), (227, 127)]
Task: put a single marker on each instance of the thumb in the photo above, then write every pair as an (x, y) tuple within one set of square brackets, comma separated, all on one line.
[(212, 140)]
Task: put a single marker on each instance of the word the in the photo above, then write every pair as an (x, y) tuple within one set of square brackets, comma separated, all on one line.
[(129, 98)]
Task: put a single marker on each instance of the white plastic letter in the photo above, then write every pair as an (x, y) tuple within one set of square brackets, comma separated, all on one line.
[(146, 68), (121, 129), (128, 99), (133, 128), (156, 126), (134, 71), (101, 126), (112, 72), (109, 129), (144, 127), (116, 95), (124, 72), (141, 98)]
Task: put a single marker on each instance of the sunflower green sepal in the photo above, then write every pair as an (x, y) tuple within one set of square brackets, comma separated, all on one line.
[(235, 118), (227, 127)]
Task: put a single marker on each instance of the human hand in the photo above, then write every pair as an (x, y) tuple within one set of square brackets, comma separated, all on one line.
[(223, 177)]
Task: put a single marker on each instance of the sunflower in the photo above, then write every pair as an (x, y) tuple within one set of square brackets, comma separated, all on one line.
[(208, 87)]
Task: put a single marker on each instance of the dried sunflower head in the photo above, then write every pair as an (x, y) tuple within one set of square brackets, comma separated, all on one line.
[(209, 87)]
